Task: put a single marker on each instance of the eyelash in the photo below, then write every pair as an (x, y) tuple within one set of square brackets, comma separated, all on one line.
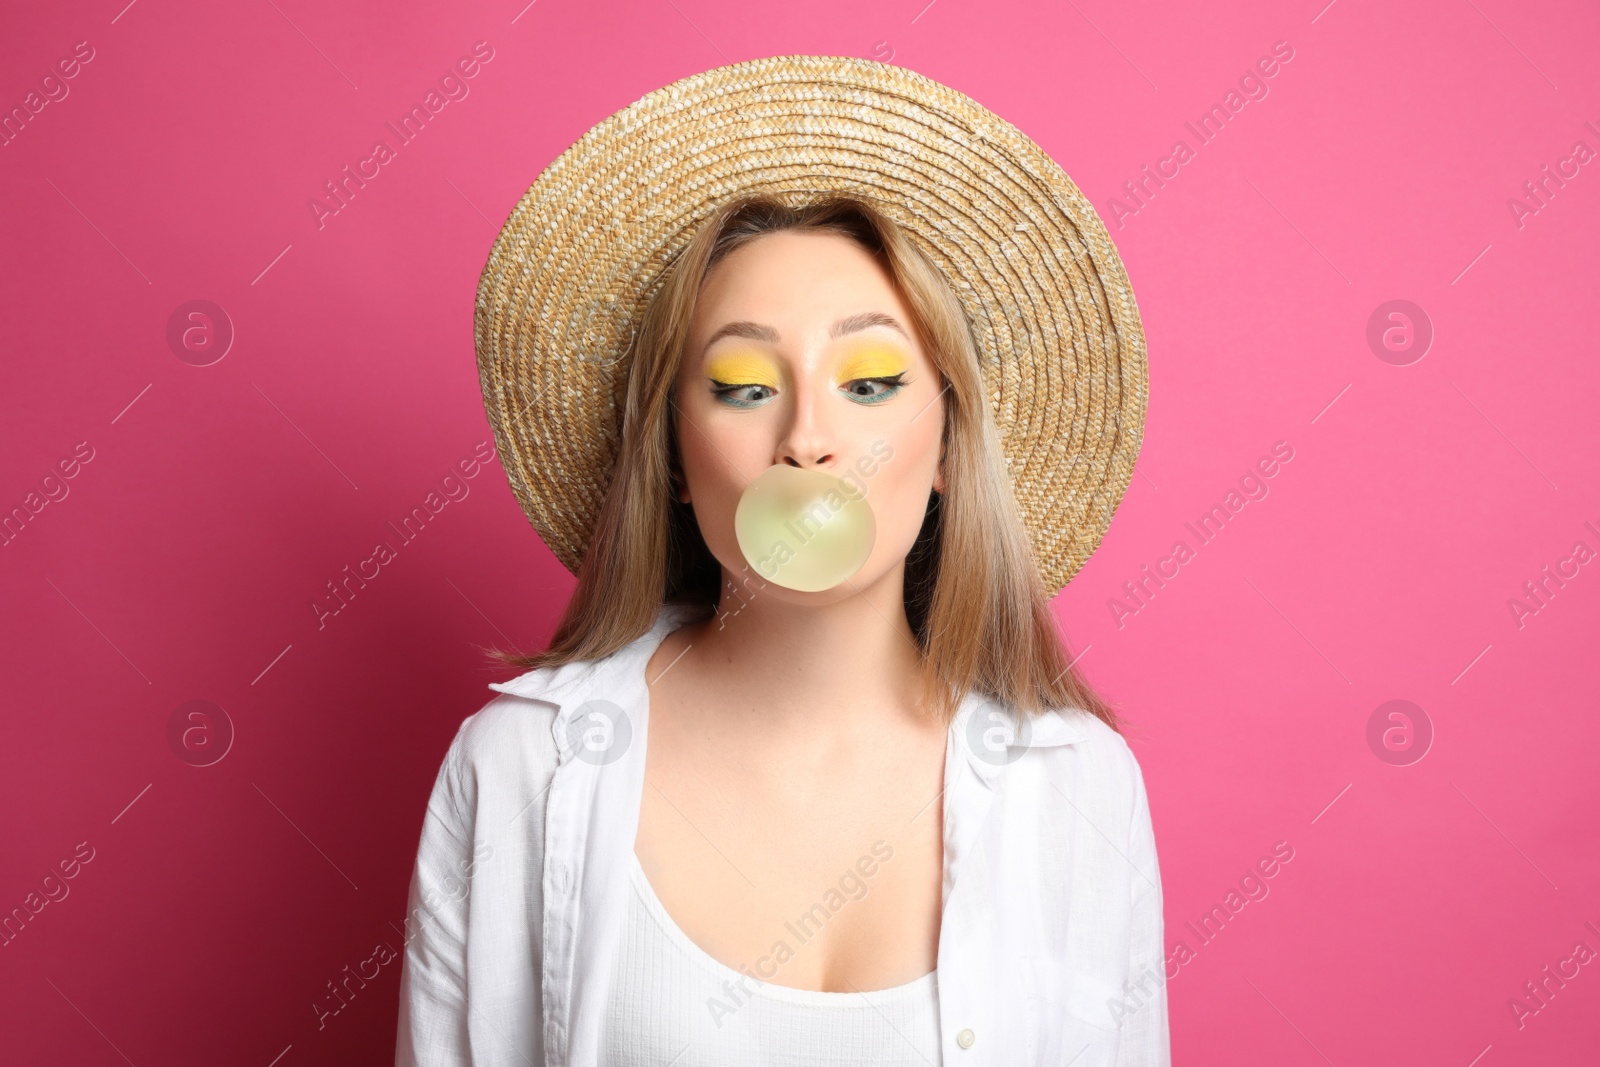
[(724, 391)]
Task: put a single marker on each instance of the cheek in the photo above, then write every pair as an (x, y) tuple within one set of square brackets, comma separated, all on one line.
[(899, 491), (714, 488), (720, 452), (713, 426)]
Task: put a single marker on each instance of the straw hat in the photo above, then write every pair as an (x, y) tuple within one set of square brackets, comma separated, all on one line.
[(1059, 340)]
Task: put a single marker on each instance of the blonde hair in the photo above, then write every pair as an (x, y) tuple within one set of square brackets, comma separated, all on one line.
[(973, 594)]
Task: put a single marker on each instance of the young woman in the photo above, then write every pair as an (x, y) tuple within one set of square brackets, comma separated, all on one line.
[(734, 817)]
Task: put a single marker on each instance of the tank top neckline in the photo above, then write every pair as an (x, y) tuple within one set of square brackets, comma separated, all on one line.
[(646, 893)]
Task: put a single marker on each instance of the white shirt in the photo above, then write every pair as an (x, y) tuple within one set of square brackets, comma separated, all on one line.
[(674, 1003), (1050, 937)]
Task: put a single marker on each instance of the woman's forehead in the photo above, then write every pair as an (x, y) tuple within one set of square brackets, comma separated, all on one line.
[(816, 287)]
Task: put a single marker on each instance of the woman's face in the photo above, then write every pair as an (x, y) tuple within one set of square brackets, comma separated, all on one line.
[(801, 352)]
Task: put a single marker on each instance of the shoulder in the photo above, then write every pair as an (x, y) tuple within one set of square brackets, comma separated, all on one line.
[(1088, 736), (512, 721), (1102, 743), (507, 747), (1092, 762)]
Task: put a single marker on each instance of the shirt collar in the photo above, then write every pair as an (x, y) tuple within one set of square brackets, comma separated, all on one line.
[(983, 722), (622, 674)]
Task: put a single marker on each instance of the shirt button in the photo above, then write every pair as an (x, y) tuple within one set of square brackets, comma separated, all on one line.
[(965, 1038), (563, 878)]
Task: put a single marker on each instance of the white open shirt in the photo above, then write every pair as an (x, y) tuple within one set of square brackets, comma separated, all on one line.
[(1050, 940)]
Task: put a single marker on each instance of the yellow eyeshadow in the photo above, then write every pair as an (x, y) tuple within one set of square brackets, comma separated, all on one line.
[(871, 363), (741, 368)]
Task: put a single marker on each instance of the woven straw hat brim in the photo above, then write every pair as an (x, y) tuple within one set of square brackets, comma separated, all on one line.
[(1060, 345)]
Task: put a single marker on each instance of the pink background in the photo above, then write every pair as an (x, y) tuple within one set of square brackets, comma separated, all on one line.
[(182, 562)]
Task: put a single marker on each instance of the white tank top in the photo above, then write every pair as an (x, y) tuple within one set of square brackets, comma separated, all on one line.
[(671, 1002)]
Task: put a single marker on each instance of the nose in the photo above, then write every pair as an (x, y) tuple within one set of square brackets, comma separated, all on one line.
[(810, 439)]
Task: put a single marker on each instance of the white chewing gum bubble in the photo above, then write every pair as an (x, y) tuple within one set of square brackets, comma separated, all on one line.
[(804, 529)]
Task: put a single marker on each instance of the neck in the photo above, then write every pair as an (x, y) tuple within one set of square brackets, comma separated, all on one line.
[(804, 667)]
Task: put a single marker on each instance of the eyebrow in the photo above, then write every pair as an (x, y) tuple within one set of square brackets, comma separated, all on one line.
[(756, 331)]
